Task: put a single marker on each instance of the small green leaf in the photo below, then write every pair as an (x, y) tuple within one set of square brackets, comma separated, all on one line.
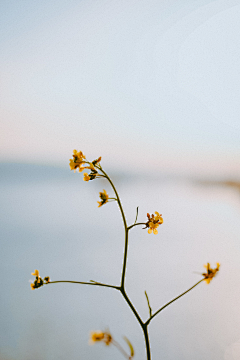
[(130, 345), (149, 307), (136, 215)]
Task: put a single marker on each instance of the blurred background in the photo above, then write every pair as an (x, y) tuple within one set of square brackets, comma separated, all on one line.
[(152, 86)]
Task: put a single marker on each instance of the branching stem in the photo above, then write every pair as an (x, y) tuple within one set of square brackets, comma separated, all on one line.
[(125, 227), (84, 283), (121, 288), (170, 302), (131, 226)]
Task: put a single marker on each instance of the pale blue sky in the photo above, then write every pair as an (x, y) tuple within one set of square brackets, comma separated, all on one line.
[(142, 83)]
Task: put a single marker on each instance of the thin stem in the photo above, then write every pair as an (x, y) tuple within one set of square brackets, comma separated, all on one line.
[(84, 283), (122, 288), (170, 302), (125, 226), (132, 307), (131, 226), (118, 199), (118, 346), (145, 331), (124, 259)]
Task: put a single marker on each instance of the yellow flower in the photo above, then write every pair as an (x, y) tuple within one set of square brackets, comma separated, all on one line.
[(158, 217), (104, 197), (153, 228), (100, 336), (91, 166), (78, 154), (39, 281), (96, 336), (154, 222), (77, 161), (209, 275), (95, 162), (107, 338), (86, 177), (32, 286)]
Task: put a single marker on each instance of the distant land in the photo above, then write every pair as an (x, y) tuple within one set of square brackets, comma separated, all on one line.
[(22, 173), (230, 183), (13, 173)]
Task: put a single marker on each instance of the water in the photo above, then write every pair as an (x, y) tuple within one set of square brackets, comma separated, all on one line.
[(50, 221)]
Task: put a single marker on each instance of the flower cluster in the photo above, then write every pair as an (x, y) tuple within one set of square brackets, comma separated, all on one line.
[(77, 161), (104, 198), (153, 222), (209, 275), (92, 174), (106, 337), (39, 281), (96, 336)]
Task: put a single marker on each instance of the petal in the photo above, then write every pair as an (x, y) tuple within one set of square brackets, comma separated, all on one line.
[(35, 273), (149, 231), (86, 177)]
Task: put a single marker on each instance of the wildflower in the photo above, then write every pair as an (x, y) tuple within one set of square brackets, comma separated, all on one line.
[(96, 336), (153, 228), (91, 166), (77, 161), (93, 174), (158, 217), (154, 222), (107, 338), (100, 336), (209, 275), (104, 197), (39, 281), (95, 162), (86, 177)]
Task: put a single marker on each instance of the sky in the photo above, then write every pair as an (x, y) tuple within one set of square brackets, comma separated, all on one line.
[(153, 83)]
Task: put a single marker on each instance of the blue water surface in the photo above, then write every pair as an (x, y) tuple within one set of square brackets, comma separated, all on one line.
[(50, 221)]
